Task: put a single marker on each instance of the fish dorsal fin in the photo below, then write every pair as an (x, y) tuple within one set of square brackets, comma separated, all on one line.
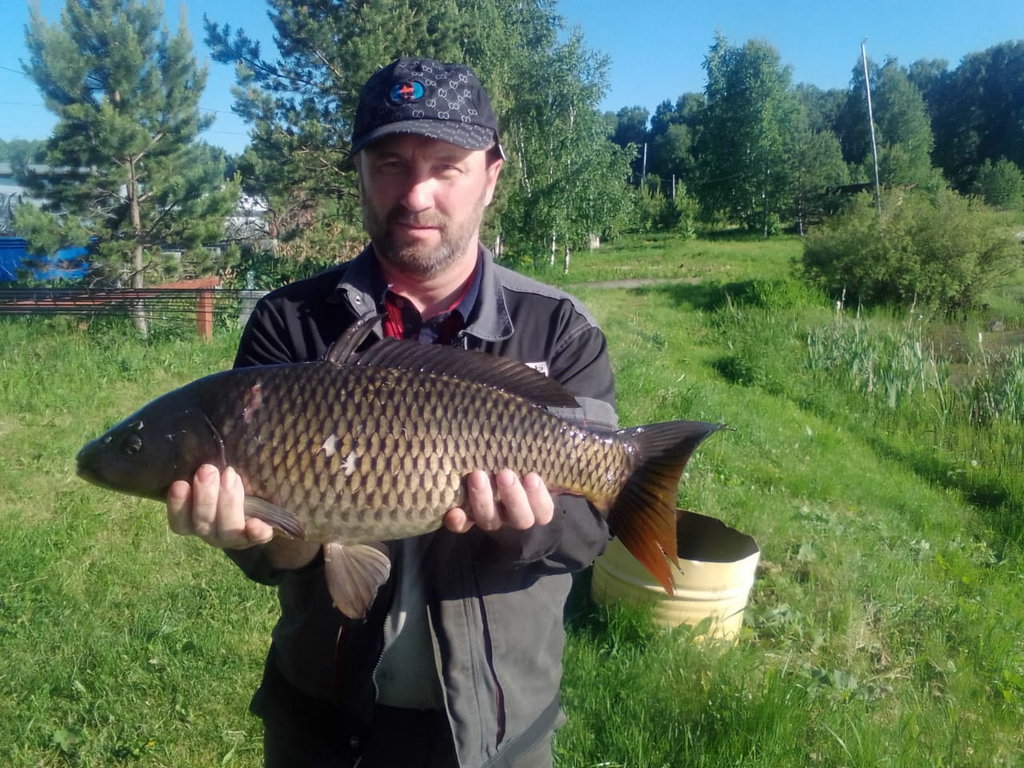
[(501, 373), (345, 345)]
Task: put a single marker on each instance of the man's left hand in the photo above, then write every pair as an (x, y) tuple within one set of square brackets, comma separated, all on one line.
[(506, 501)]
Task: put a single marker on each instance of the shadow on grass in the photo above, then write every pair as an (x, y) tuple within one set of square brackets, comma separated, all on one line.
[(776, 296), (613, 629), (706, 296), (998, 504)]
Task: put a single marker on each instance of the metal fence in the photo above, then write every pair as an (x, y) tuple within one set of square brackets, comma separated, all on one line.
[(155, 304)]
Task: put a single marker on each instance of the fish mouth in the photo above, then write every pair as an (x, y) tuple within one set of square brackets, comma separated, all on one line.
[(85, 466), (82, 468)]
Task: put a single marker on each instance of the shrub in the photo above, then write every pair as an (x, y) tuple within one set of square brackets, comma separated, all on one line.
[(936, 250), (1001, 184)]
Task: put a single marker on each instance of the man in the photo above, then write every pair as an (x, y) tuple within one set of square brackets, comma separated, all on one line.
[(458, 662)]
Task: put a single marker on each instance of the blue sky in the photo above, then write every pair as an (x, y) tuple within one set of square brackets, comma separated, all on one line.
[(656, 47)]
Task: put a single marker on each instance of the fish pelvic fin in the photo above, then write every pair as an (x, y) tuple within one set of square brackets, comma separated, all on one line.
[(354, 574), (643, 515)]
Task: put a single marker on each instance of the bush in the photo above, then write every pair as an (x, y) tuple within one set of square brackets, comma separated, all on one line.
[(1001, 185), (936, 250), (656, 211)]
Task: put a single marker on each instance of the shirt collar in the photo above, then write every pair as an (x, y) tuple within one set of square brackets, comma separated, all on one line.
[(403, 320), (362, 288)]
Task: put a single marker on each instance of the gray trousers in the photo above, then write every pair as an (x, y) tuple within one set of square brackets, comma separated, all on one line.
[(302, 732)]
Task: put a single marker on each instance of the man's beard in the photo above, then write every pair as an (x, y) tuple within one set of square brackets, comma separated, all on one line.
[(421, 259)]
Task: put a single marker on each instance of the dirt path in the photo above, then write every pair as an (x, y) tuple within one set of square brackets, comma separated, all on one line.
[(638, 282)]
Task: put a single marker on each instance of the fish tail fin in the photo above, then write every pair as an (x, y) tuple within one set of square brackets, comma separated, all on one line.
[(643, 515)]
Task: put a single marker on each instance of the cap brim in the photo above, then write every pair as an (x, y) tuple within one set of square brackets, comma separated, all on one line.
[(474, 137)]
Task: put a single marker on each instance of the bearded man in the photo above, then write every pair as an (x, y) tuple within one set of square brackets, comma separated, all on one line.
[(458, 662)]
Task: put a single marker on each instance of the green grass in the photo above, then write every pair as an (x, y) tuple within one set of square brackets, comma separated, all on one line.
[(886, 601), (663, 257), (885, 623), (122, 643)]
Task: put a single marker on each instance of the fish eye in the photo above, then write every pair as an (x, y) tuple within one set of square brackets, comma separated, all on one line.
[(132, 444)]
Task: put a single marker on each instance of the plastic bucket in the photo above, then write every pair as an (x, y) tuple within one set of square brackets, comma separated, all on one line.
[(716, 572)]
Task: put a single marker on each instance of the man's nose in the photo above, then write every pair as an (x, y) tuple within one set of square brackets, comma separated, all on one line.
[(419, 192)]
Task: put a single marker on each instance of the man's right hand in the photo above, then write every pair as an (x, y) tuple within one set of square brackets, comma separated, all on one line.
[(211, 508)]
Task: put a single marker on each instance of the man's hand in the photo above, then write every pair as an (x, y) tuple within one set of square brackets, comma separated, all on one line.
[(211, 508), (508, 502)]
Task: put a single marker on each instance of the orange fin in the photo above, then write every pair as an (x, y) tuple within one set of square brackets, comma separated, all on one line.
[(643, 515)]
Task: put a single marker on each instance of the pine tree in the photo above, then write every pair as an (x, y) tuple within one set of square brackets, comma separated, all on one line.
[(127, 171)]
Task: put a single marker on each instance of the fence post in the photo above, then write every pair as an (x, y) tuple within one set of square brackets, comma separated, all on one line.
[(204, 313)]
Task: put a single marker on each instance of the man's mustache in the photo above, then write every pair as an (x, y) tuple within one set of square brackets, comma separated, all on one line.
[(399, 216)]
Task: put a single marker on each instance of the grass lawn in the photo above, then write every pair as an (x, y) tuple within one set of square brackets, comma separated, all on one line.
[(885, 625)]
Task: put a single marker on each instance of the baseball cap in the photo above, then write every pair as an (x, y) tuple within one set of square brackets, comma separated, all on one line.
[(439, 100)]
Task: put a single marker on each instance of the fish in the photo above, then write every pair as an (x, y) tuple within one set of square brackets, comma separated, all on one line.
[(371, 444)]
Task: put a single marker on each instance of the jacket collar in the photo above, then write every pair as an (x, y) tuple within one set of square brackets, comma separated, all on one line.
[(489, 321)]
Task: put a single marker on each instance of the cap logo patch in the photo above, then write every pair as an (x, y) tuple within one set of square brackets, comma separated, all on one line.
[(407, 92)]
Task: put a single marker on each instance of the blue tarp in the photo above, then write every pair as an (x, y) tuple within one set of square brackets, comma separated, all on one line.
[(67, 263)]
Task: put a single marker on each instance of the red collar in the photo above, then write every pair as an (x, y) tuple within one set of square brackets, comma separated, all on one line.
[(403, 321)]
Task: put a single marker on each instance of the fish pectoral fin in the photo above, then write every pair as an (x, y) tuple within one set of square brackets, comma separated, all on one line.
[(354, 574), (271, 514)]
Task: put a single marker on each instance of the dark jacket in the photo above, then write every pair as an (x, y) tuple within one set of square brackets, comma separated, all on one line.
[(495, 602)]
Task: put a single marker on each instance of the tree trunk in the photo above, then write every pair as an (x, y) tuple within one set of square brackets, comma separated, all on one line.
[(138, 281), (565, 259)]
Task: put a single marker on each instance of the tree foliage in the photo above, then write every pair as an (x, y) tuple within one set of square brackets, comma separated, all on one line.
[(817, 168), (126, 172), (930, 249), (902, 127), (747, 135), (572, 179), (673, 132), (631, 132), (977, 113), (563, 179), (1001, 184), (22, 152)]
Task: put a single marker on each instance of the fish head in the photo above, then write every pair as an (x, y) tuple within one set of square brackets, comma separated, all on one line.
[(142, 455)]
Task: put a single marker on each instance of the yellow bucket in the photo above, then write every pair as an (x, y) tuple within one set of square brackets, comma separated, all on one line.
[(716, 572)]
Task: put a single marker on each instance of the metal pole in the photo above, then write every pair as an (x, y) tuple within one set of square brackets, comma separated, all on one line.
[(871, 124)]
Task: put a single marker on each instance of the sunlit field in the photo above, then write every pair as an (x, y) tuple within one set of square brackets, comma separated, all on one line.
[(874, 456)]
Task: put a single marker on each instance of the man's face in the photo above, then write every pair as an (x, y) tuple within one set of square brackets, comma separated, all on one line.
[(423, 200)]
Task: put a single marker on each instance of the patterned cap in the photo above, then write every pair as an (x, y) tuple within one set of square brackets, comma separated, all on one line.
[(429, 98)]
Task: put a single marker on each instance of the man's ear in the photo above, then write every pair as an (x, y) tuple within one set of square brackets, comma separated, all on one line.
[(357, 163), (493, 170)]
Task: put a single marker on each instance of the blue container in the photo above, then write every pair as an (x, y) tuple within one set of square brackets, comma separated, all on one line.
[(67, 263)]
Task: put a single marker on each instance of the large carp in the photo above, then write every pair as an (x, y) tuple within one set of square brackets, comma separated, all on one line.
[(365, 447)]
